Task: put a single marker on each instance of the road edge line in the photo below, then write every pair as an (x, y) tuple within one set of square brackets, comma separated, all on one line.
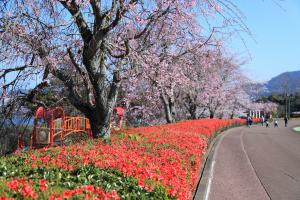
[(206, 166), (210, 180), (253, 169)]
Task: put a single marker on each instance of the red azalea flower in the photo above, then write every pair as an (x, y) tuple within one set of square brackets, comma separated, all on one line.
[(68, 194), (13, 185), (58, 198), (89, 188), (5, 198), (161, 152), (78, 191), (112, 195), (28, 191), (42, 184), (32, 157)]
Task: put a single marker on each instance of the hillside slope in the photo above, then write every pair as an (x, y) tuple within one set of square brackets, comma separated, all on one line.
[(288, 82)]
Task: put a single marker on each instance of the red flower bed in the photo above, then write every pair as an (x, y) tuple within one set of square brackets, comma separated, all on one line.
[(167, 155), (24, 188)]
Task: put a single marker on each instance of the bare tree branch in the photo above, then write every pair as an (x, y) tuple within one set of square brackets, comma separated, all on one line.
[(120, 55), (9, 70), (74, 10)]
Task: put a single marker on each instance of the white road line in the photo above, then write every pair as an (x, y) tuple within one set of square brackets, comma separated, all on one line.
[(250, 164), (210, 180)]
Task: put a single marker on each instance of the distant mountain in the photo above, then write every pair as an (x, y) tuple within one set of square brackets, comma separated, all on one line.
[(287, 82)]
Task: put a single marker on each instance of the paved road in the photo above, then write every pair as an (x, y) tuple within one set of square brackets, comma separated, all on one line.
[(256, 163)]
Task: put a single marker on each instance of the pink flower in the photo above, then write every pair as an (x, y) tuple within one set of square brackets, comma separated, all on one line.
[(42, 184), (13, 185), (28, 191)]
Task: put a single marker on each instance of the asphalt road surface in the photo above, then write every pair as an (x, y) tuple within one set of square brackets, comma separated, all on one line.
[(256, 163)]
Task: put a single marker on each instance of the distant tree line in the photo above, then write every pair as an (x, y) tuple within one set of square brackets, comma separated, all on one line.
[(287, 104)]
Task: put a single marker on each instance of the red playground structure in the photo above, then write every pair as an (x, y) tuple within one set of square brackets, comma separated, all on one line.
[(51, 127)]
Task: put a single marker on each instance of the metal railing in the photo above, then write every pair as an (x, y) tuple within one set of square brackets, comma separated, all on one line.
[(62, 128)]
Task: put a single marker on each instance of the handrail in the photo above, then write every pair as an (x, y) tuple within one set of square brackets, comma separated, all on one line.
[(77, 123), (60, 125), (61, 128)]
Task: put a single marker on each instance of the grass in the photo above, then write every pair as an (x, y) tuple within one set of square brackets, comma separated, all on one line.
[(297, 128)]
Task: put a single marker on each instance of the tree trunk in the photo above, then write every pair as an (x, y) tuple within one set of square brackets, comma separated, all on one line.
[(100, 128), (172, 109), (192, 111), (232, 113), (100, 124), (169, 114), (103, 109), (211, 114), (221, 116), (169, 107), (99, 114)]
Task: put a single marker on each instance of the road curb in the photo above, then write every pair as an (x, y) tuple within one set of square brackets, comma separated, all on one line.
[(206, 163)]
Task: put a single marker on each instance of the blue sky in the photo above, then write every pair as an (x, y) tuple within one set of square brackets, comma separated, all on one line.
[(275, 45)]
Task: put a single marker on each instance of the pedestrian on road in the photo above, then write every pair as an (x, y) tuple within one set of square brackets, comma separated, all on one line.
[(267, 123), (276, 123), (285, 121), (262, 120), (248, 121)]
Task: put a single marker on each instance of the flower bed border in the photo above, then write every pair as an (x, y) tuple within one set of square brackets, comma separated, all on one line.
[(206, 163)]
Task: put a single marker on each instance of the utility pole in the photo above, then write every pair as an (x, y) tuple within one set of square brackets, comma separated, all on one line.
[(289, 111), (286, 104)]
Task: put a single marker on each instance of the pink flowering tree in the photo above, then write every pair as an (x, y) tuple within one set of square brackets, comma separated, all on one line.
[(162, 59), (237, 100), (162, 64), (88, 45), (237, 103), (266, 107), (159, 75), (193, 94), (210, 84), (84, 44), (216, 86)]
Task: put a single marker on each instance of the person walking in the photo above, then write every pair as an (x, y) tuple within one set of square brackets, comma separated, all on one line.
[(267, 123), (285, 121), (250, 122), (262, 120), (276, 123)]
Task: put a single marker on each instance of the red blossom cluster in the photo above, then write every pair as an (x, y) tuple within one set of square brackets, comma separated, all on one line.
[(167, 155), (24, 187), (5, 198), (86, 192)]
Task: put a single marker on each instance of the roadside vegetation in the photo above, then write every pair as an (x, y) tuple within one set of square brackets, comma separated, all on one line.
[(158, 162)]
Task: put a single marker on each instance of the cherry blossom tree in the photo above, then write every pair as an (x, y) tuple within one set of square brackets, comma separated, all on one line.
[(238, 103), (210, 83), (84, 44), (88, 44), (162, 59), (216, 85), (192, 94), (265, 107)]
